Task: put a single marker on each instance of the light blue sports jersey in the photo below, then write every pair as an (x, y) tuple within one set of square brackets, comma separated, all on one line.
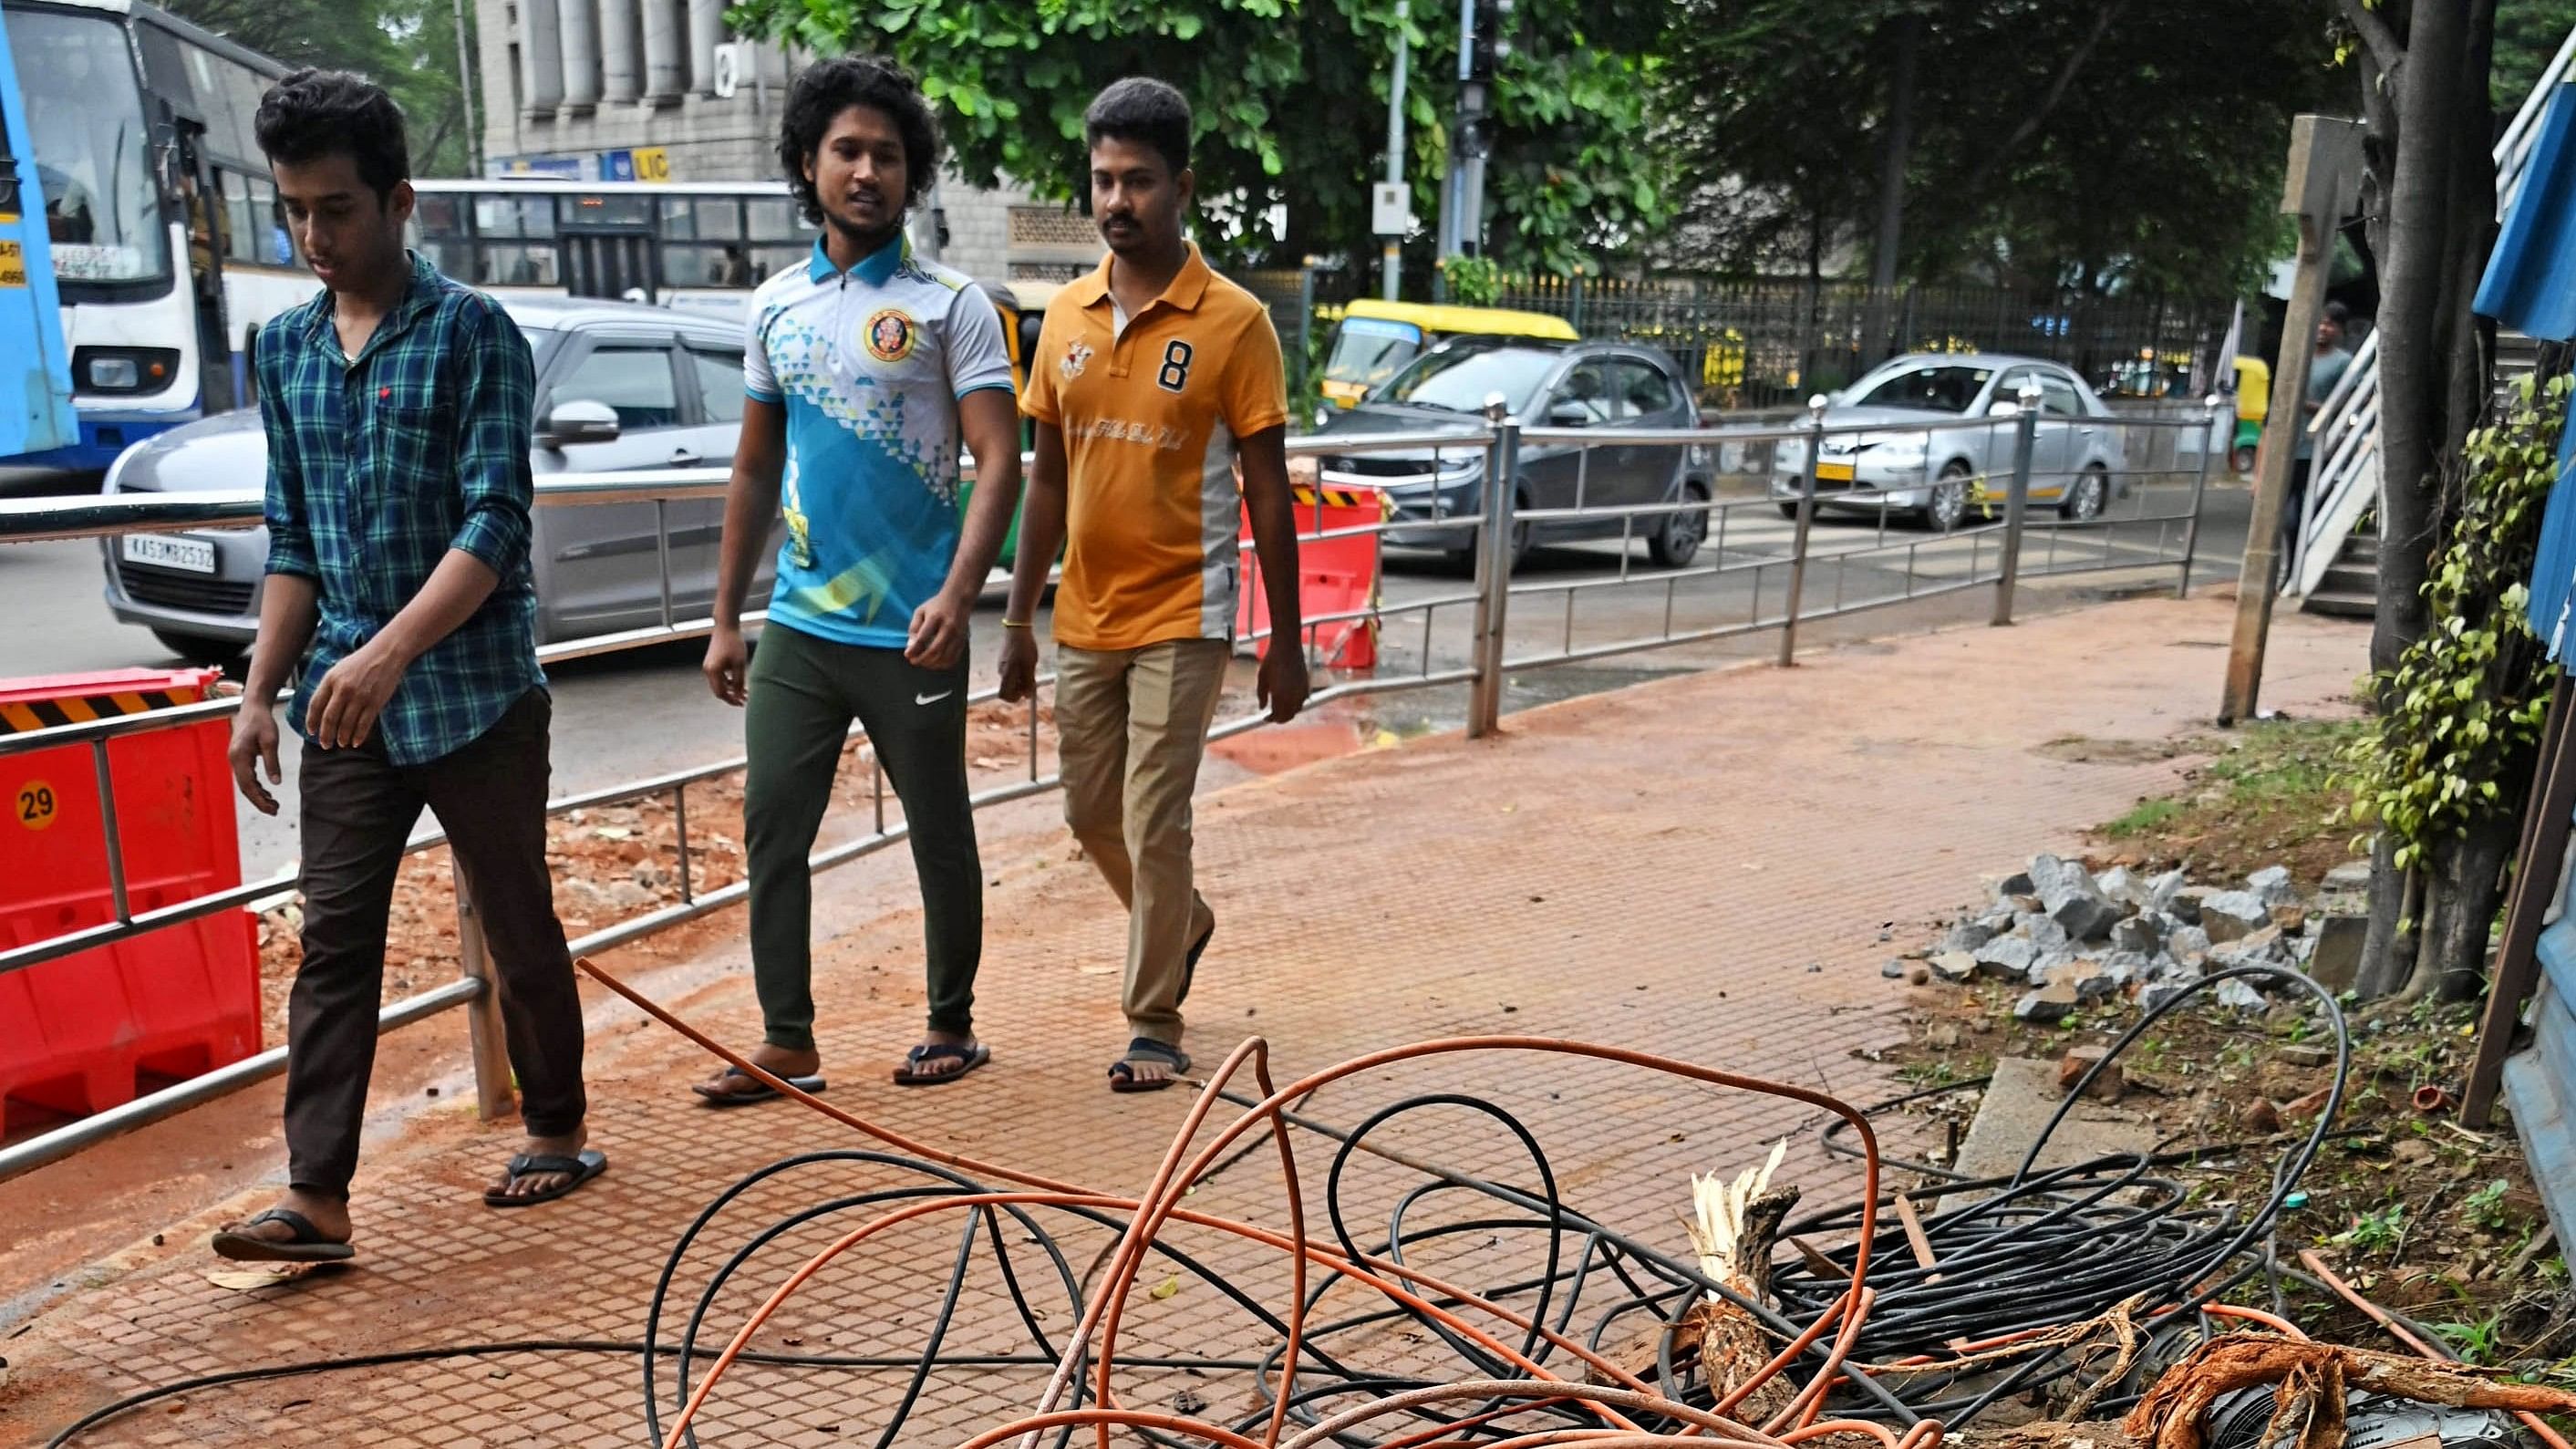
[(870, 364)]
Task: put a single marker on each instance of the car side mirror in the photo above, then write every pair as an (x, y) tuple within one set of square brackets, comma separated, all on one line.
[(578, 421), (2003, 407), (1568, 415)]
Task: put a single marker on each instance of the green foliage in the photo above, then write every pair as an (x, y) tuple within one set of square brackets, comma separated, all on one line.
[(1472, 281), (2103, 143), (406, 46), (1291, 99), (2145, 816), (2527, 34), (2375, 1231), (2461, 712), (2485, 1207)]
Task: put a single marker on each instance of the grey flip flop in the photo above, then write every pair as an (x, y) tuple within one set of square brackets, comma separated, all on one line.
[(1123, 1078), (591, 1163), (910, 1073), (307, 1246), (758, 1090)]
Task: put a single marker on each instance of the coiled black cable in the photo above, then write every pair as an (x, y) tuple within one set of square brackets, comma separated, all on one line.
[(2032, 1251)]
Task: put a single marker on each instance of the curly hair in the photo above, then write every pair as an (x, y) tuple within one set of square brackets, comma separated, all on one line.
[(827, 88), (316, 113)]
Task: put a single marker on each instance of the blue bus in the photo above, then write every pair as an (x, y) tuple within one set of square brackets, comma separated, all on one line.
[(167, 245), (36, 380)]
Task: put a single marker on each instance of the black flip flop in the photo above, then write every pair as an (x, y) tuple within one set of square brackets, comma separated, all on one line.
[(591, 1163), (911, 1075), (761, 1091), (1124, 1079), (1190, 963), (307, 1246)]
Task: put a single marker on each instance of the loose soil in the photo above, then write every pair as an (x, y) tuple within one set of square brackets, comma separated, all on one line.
[(2421, 1214)]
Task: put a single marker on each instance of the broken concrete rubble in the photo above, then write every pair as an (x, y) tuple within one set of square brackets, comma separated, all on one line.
[(2084, 939)]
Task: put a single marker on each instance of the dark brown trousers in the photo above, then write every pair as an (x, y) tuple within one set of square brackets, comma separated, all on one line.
[(359, 809)]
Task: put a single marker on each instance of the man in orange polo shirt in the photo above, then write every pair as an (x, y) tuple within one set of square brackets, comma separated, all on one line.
[(1154, 377)]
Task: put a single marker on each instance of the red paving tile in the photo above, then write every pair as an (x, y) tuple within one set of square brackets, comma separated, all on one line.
[(1701, 867)]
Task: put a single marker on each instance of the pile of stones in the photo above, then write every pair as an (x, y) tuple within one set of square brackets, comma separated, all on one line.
[(2074, 938)]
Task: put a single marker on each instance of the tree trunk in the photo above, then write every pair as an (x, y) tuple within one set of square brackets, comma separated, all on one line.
[(2464, 887), (2430, 166), (1898, 151), (2388, 943)]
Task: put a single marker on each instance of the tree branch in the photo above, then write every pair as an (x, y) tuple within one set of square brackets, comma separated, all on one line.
[(2057, 88), (2375, 33)]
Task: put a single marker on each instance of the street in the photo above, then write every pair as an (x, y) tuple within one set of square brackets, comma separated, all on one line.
[(624, 716)]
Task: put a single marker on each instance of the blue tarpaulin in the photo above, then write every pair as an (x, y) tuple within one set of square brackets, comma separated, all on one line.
[(2530, 287)]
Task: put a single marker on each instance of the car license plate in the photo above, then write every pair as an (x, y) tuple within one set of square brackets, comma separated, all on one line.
[(195, 555), (1833, 472)]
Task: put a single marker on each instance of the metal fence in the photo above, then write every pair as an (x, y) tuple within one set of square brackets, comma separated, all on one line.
[(1767, 341), (1805, 528)]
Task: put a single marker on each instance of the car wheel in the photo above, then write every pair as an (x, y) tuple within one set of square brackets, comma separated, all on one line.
[(1949, 503), (2243, 458), (200, 649), (2086, 495), (1677, 542), (1464, 559), (1789, 511)]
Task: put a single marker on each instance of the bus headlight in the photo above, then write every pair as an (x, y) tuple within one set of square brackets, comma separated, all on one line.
[(124, 369)]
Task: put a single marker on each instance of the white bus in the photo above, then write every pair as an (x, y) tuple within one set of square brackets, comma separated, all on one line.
[(700, 246), (169, 249)]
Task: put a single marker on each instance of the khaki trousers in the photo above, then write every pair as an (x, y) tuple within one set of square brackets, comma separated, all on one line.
[(1131, 727)]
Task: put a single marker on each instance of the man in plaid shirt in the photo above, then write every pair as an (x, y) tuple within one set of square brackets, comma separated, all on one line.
[(398, 411)]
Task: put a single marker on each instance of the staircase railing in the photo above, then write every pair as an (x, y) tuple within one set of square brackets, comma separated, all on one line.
[(2346, 483)]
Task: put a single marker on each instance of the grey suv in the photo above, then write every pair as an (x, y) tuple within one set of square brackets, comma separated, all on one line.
[(1545, 384), (618, 387)]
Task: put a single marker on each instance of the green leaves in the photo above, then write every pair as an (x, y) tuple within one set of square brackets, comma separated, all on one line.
[(1290, 98), (2463, 706)]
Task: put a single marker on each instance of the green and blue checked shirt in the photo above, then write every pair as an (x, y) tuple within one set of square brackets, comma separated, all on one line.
[(377, 467)]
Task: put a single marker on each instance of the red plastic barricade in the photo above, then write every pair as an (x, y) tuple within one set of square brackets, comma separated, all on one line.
[(76, 1032), (1334, 575)]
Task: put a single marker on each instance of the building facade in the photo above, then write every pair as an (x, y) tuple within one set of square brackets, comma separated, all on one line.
[(661, 90)]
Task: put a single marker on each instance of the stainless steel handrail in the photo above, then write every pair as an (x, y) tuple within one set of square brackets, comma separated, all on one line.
[(1499, 444)]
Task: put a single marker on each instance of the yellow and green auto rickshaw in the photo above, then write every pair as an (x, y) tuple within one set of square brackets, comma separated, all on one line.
[(2253, 403), (1376, 339), (1023, 308)]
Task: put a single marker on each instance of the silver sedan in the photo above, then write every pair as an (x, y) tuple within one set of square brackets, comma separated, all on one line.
[(1900, 463)]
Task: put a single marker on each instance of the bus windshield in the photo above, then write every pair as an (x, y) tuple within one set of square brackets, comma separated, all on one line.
[(102, 210)]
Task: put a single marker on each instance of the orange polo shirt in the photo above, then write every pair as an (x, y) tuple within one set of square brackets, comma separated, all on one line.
[(1151, 411)]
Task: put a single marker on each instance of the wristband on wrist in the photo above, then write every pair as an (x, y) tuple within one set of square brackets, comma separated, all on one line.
[(1015, 623)]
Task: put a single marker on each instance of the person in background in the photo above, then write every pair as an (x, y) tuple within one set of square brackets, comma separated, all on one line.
[(398, 407), (1153, 378), (2325, 369), (865, 368)]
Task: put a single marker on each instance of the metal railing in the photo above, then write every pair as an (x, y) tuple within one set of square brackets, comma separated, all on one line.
[(1486, 489), (2345, 481)]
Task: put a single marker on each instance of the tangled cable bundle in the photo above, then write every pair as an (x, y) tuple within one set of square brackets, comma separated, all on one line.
[(2079, 1281), (2041, 1276)]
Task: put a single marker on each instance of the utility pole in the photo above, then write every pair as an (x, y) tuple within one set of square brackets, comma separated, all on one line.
[(1462, 200), (2325, 170), (1393, 206), (465, 88)]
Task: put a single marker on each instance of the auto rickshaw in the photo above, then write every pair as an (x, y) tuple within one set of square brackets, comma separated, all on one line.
[(1022, 306), (1376, 339), (2253, 403)]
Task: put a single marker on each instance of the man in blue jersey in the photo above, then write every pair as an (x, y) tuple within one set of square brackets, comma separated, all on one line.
[(864, 368)]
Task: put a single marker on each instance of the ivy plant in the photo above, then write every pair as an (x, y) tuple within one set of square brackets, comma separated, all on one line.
[(2461, 712)]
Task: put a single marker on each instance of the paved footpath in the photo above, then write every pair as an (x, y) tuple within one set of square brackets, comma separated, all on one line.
[(1703, 867)]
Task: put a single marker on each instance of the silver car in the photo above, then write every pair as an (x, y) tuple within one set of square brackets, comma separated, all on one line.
[(618, 387), (1936, 477)]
